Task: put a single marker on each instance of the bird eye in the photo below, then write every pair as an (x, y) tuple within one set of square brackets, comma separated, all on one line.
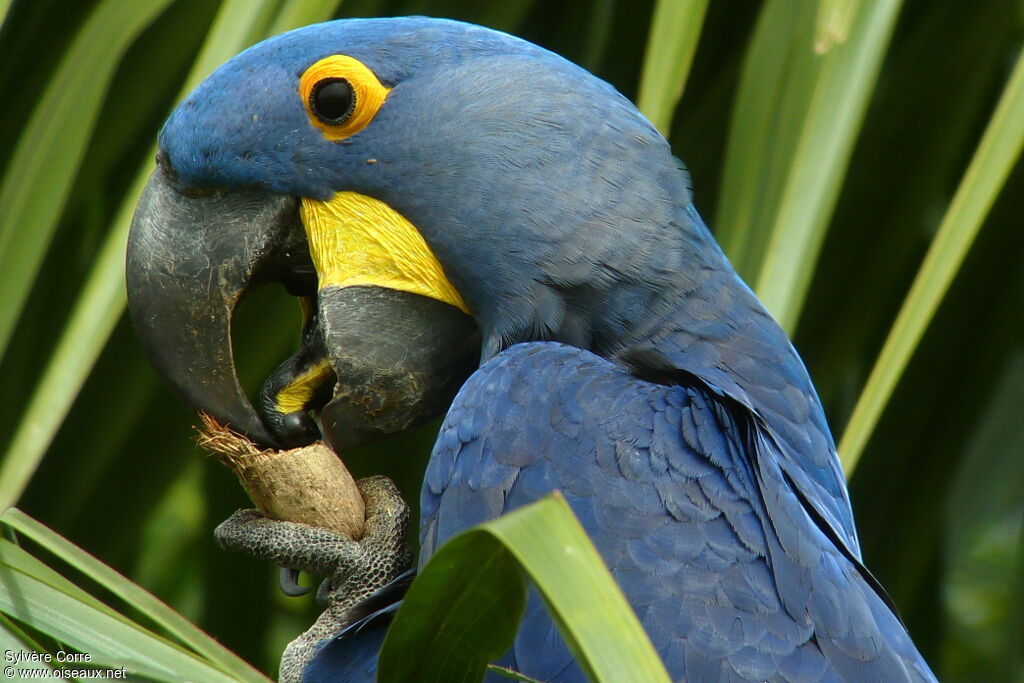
[(341, 96), (332, 101)]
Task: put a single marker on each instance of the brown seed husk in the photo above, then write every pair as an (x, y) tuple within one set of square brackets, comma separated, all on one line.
[(310, 485)]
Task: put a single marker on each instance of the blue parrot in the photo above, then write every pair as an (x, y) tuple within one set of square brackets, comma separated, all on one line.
[(478, 226)]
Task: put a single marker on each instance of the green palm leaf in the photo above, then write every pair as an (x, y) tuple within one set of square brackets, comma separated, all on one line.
[(675, 29), (797, 115), (464, 608), (995, 157)]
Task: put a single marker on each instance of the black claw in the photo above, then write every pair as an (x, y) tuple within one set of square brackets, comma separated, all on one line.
[(289, 582), (322, 592)]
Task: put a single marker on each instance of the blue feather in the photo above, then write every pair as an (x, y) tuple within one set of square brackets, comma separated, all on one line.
[(722, 563)]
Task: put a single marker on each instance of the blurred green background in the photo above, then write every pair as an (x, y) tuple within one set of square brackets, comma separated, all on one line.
[(826, 142)]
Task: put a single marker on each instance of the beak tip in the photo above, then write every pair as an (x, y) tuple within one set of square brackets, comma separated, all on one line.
[(186, 268), (259, 435)]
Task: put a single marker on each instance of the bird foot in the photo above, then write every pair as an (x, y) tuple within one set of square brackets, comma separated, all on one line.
[(351, 570)]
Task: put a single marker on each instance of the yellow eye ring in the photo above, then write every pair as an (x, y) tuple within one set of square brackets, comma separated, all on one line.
[(341, 96)]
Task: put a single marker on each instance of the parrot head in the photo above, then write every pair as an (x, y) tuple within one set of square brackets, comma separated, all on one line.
[(433, 191)]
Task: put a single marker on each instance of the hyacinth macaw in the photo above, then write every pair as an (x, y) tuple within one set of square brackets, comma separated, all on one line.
[(476, 225)]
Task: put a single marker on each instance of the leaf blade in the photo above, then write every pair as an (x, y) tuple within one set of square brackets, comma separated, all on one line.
[(675, 31), (132, 594), (111, 639), (796, 118), (48, 154), (591, 613), (458, 610), (838, 105), (102, 301), (296, 13), (998, 151)]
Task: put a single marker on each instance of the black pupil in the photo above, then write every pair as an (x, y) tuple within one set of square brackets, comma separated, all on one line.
[(332, 100)]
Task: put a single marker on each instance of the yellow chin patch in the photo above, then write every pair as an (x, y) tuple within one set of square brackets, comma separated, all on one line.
[(356, 240)]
